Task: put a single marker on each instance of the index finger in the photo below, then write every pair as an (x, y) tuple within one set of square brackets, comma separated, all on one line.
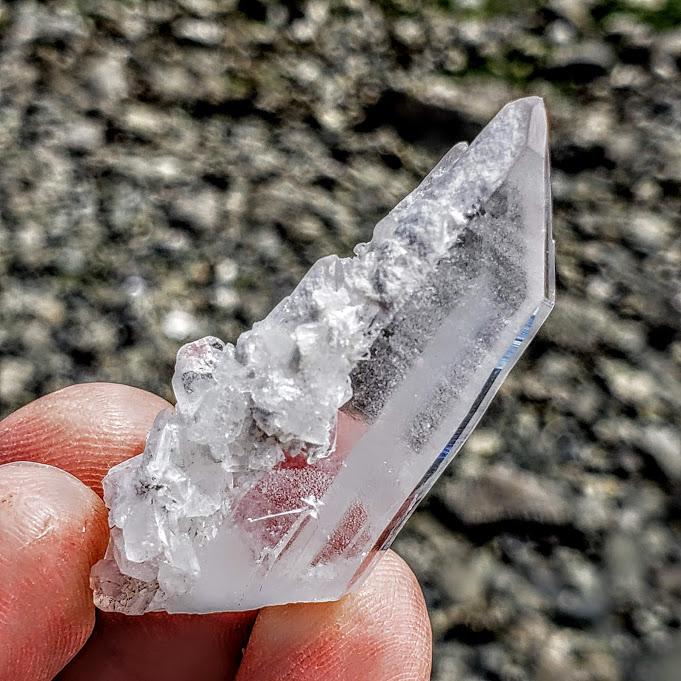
[(83, 429)]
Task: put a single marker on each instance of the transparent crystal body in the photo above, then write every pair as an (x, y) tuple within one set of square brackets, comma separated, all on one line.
[(293, 458)]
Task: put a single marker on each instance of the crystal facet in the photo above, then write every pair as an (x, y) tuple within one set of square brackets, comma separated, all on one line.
[(292, 458)]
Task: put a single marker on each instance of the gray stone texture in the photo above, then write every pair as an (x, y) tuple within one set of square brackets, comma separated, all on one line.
[(171, 169)]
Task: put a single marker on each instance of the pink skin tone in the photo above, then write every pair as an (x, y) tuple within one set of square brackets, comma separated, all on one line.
[(290, 481), (53, 528)]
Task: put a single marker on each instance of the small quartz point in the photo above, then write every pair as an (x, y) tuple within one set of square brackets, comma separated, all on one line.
[(292, 458)]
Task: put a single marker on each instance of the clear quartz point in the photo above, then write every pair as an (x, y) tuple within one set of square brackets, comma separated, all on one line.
[(293, 458)]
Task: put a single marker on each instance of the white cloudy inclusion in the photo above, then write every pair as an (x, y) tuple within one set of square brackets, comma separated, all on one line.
[(293, 457)]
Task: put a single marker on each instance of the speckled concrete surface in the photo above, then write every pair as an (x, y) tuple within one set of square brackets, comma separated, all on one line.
[(170, 169)]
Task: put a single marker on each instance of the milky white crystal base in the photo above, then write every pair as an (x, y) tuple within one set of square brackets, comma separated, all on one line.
[(292, 458)]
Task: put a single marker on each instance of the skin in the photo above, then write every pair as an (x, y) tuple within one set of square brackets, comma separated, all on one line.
[(53, 528)]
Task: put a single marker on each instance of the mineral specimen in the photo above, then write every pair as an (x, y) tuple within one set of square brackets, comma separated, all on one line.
[(292, 458)]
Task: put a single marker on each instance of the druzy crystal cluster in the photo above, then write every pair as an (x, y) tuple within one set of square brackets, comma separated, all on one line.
[(293, 457)]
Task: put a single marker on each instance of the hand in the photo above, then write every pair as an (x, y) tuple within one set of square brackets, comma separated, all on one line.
[(53, 528)]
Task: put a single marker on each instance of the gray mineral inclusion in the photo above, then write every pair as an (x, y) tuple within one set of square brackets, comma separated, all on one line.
[(293, 458)]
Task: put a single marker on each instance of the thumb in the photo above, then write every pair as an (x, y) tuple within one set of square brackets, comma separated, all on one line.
[(52, 529)]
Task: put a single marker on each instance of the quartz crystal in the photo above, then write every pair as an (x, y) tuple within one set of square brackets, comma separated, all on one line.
[(292, 458)]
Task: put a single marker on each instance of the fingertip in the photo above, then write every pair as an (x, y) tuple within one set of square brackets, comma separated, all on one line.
[(392, 573), (52, 529), (84, 429), (365, 635), (40, 498)]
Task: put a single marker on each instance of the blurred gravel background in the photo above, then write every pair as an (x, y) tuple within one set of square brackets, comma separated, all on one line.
[(170, 169)]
